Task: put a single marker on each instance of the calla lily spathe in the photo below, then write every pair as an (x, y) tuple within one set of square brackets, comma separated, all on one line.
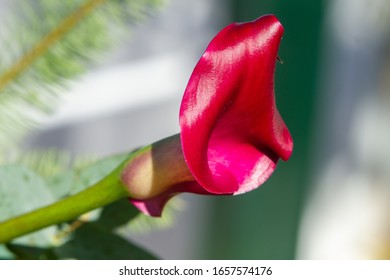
[(232, 134)]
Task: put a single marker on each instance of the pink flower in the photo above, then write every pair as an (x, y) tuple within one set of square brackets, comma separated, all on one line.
[(232, 134)]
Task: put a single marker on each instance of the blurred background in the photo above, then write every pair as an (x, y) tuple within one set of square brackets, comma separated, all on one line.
[(331, 200)]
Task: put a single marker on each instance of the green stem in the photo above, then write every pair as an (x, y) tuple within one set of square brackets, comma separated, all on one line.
[(102, 193)]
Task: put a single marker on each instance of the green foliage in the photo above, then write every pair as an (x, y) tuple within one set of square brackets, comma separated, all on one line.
[(89, 242), (116, 214), (93, 242), (21, 191), (24, 252), (34, 188), (5, 254), (95, 172)]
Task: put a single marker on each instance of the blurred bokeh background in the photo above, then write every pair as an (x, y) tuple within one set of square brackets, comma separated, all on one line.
[(331, 200)]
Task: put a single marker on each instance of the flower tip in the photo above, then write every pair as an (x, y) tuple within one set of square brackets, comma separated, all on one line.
[(289, 148), (270, 22)]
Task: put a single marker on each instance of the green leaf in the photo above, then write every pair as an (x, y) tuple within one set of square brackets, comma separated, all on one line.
[(21, 191), (61, 184), (91, 242), (31, 253), (63, 176), (117, 214), (5, 254), (96, 171), (88, 242)]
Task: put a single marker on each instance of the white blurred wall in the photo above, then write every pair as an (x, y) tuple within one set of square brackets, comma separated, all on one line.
[(348, 214)]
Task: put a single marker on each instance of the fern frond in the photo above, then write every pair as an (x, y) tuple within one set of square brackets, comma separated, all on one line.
[(46, 44)]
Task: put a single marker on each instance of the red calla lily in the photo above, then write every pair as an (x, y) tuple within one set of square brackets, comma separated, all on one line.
[(232, 134)]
